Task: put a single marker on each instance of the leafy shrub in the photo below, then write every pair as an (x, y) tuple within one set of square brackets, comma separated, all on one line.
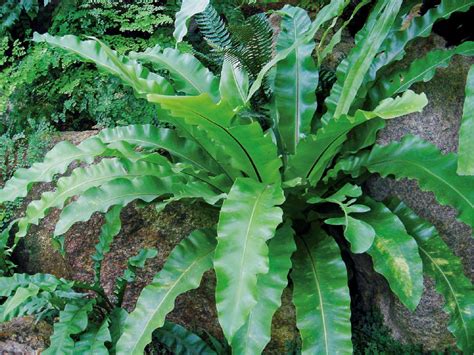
[(285, 188)]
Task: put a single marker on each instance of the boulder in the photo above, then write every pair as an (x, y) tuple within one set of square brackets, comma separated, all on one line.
[(439, 124), (142, 227), (24, 336)]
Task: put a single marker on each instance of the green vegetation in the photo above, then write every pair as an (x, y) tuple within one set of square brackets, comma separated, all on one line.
[(246, 136)]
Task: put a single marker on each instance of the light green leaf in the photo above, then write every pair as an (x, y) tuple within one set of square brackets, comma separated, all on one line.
[(321, 295), (131, 72), (421, 69), (93, 340), (360, 234), (55, 162), (154, 138), (116, 192), (82, 179), (181, 341), (72, 320), (402, 105), (296, 79), (21, 295), (466, 132), (45, 282), (395, 254), (336, 37), (352, 70), (208, 123), (255, 334), (447, 271), (188, 74), (245, 147), (316, 151), (416, 159), (327, 13), (189, 8), (182, 272), (248, 218), (234, 84)]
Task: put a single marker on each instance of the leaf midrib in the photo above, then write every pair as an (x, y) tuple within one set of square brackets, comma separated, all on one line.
[(166, 295), (316, 279), (450, 288), (429, 172), (244, 252)]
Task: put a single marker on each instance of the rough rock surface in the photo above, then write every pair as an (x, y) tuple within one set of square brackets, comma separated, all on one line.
[(24, 336), (438, 123), (142, 227)]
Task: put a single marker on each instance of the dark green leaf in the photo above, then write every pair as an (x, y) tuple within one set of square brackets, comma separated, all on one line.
[(447, 270), (395, 254), (321, 295)]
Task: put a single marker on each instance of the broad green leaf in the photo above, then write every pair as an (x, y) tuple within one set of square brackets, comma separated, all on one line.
[(316, 151), (181, 341), (327, 13), (248, 218), (358, 233), (395, 254), (122, 192), (244, 146), (151, 137), (72, 320), (21, 295), (365, 134), (182, 272), (466, 132), (118, 317), (108, 232), (82, 179), (45, 282), (296, 79), (131, 72), (188, 74), (234, 84), (446, 269), (261, 150), (416, 159), (352, 70), (321, 295), (189, 8), (199, 114), (421, 69), (93, 340), (55, 162), (336, 37), (255, 334)]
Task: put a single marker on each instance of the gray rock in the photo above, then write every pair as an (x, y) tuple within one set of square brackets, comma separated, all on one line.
[(24, 336), (439, 124)]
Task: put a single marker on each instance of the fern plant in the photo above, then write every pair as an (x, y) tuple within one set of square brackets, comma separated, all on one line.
[(283, 192)]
